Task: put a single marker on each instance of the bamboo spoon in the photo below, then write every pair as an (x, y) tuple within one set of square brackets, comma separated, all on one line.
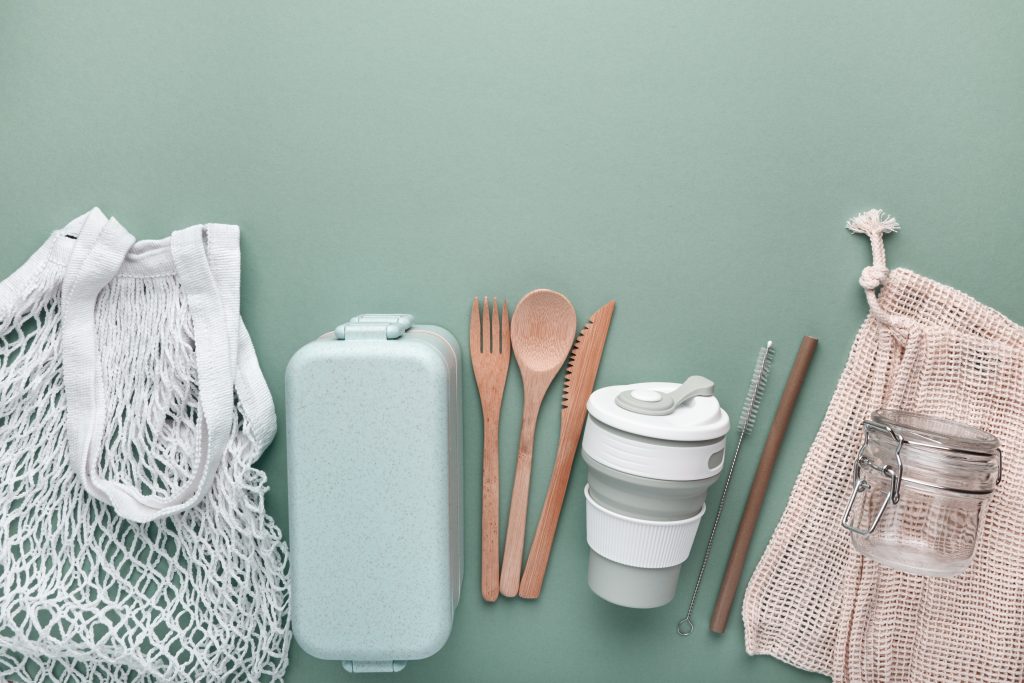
[(543, 330)]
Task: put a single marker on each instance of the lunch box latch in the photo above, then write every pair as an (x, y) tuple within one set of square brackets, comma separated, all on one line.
[(374, 327)]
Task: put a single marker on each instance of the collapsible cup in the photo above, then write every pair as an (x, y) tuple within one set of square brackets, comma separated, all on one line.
[(647, 478)]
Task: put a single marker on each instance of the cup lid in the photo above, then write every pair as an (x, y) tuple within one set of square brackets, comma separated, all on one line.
[(698, 419)]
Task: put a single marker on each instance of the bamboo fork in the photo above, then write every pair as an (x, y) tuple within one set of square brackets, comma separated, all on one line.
[(490, 350)]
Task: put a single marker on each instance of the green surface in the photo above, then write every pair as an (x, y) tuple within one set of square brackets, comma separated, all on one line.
[(695, 161)]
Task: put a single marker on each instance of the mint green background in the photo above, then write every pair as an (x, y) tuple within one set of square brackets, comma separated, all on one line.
[(694, 160)]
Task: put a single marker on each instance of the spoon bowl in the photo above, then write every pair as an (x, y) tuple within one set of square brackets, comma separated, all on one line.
[(543, 329)]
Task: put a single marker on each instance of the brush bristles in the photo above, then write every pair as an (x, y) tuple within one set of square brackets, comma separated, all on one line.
[(756, 390)]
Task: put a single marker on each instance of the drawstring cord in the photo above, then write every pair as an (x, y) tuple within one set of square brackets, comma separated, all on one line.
[(875, 224)]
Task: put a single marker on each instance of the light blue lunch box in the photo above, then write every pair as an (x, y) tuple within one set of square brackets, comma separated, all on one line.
[(374, 429)]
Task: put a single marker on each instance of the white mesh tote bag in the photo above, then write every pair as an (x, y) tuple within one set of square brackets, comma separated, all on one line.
[(134, 544), (817, 604)]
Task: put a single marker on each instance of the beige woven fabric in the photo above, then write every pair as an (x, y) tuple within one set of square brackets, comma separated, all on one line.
[(813, 602)]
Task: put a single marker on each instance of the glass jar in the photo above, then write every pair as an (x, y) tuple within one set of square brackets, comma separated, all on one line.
[(921, 487)]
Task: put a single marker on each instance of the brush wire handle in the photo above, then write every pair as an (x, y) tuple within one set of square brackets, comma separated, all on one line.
[(745, 424)]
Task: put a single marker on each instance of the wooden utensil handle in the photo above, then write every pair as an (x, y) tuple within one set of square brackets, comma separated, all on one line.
[(490, 514), (759, 487), (540, 549), (512, 563)]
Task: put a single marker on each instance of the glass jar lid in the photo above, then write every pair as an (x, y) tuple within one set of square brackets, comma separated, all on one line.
[(933, 432), (933, 452)]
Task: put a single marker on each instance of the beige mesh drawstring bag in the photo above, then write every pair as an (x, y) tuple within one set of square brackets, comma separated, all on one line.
[(134, 544), (813, 602)]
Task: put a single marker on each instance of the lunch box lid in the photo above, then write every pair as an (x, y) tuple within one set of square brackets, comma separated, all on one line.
[(374, 473), (698, 419)]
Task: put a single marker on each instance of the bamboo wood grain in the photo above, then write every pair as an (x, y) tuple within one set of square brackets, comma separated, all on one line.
[(759, 487), (490, 351), (543, 329), (579, 383)]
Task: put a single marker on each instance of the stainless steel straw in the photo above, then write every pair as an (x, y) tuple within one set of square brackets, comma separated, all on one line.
[(745, 424)]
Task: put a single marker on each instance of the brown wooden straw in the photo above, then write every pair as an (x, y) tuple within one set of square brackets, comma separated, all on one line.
[(758, 489)]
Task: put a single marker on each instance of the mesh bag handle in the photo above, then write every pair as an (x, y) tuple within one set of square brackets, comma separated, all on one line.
[(213, 303)]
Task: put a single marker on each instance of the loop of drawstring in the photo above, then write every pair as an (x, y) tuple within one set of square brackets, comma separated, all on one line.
[(875, 224)]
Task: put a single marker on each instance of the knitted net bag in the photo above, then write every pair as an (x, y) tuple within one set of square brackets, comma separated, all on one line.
[(813, 601), (134, 544)]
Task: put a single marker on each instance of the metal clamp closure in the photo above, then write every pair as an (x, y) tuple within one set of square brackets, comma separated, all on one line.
[(861, 485), (896, 477)]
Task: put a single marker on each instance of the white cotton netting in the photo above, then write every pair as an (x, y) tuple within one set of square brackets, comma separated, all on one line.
[(84, 594)]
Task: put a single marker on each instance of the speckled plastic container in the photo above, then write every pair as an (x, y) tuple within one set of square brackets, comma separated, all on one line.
[(375, 491)]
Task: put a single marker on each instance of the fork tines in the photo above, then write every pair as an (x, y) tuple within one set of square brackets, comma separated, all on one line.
[(483, 337)]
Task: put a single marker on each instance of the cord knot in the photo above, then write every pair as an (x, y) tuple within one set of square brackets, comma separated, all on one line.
[(873, 277), (875, 224)]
